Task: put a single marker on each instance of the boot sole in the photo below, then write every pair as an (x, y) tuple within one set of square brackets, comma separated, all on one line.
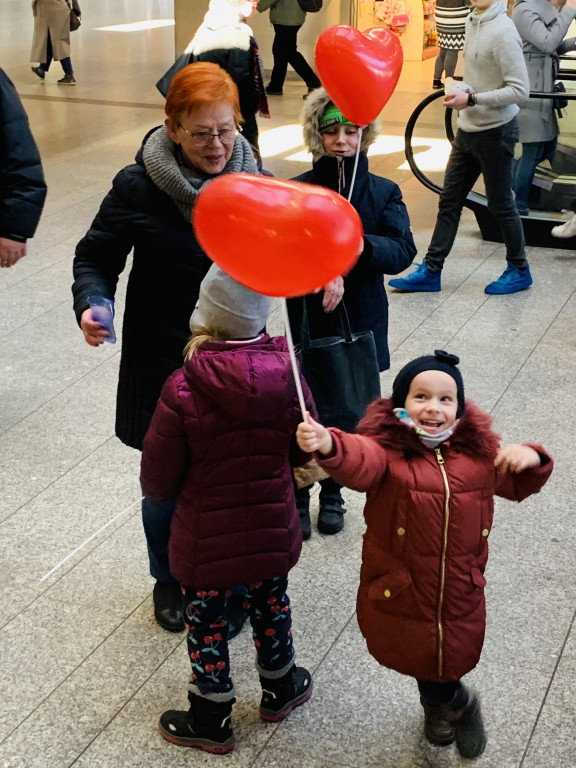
[(204, 744), (440, 742), (270, 716)]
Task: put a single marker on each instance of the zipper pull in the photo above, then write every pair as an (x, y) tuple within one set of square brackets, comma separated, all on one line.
[(439, 456)]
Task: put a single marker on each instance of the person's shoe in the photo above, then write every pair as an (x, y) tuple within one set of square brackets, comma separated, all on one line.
[(207, 725), (437, 729), (280, 696), (437, 84), (511, 280), (331, 515), (67, 80), (568, 229), (40, 72), (236, 615), (273, 91), (419, 280), (167, 597), (460, 721), (309, 92)]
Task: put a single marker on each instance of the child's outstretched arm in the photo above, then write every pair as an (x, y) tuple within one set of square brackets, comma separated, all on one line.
[(312, 437), (356, 461), (521, 470)]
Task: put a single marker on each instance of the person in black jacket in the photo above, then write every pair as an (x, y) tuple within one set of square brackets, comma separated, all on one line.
[(149, 210), (225, 39), (388, 249), (22, 185)]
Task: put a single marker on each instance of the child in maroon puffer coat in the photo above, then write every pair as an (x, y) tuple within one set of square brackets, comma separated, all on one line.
[(221, 442), (430, 465)]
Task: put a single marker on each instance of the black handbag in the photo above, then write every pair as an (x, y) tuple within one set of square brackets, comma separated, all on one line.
[(559, 103), (341, 371), (164, 83), (75, 20)]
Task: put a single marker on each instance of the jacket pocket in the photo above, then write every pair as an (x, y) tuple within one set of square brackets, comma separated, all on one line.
[(389, 586), (477, 578)]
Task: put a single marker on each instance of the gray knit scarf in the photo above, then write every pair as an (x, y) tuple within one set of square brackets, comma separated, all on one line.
[(165, 165)]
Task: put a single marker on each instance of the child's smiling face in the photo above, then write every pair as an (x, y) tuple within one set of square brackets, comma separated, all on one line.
[(432, 401)]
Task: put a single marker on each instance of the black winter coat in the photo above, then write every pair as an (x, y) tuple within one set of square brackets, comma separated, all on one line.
[(22, 185), (388, 249), (167, 269)]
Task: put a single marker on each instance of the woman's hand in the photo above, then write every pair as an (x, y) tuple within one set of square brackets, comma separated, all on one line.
[(93, 331), (11, 251), (333, 292), (312, 436), (516, 458)]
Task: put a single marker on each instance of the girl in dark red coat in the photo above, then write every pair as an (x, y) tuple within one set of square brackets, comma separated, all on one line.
[(430, 465), (221, 442)]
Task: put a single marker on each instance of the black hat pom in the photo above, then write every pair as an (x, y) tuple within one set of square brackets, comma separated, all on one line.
[(446, 357)]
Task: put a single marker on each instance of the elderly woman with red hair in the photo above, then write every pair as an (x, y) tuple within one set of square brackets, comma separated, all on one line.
[(148, 211)]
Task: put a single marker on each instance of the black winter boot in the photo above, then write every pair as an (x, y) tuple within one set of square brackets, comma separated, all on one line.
[(436, 728), (207, 725), (280, 696), (331, 515), (167, 596), (464, 716)]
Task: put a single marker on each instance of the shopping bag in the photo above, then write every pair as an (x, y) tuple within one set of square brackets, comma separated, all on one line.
[(341, 371)]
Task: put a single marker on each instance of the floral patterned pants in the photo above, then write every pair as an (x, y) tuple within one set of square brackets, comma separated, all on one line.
[(268, 607)]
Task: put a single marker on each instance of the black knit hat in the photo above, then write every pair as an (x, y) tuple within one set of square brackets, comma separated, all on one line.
[(439, 361)]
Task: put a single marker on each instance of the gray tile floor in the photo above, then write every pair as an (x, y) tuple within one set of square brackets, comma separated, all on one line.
[(84, 670)]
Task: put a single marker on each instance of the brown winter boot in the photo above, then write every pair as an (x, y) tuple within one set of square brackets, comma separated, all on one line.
[(460, 720)]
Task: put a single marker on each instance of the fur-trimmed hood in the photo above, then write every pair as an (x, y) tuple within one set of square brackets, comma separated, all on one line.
[(473, 435), (314, 107)]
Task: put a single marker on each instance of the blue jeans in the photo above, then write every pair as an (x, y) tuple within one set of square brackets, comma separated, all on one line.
[(66, 63), (205, 614), (157, 518), (490, 153), (532, 153)]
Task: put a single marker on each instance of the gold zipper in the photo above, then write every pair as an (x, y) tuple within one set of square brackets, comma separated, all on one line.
[(440, 460)]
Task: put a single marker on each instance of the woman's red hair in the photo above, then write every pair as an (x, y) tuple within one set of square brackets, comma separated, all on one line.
[(199, 84)]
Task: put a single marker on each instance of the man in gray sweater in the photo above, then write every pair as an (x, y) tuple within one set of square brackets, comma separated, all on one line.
[(495, 72)]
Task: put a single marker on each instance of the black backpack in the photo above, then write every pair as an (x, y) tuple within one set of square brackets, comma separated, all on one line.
[(310, 6)]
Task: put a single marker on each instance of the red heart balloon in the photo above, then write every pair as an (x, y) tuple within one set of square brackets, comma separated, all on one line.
[(280, 238), (359, 69)]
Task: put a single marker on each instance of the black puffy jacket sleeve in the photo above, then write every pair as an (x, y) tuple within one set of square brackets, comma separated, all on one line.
[(22, 185), (101, 254)]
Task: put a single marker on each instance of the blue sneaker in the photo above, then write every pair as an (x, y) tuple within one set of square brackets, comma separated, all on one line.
[(419, 280), (511, 280)]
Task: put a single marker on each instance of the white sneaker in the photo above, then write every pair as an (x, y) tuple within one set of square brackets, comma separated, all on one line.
[(568, 229)]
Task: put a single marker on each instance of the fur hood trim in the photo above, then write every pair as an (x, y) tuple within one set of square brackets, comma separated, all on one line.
[(313, 108), (473, 435), (223, 28)]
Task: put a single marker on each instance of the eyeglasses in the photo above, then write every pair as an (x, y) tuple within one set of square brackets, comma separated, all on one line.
[(203, 138)]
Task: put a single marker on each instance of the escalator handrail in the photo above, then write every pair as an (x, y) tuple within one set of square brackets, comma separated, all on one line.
[(408, 133)]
